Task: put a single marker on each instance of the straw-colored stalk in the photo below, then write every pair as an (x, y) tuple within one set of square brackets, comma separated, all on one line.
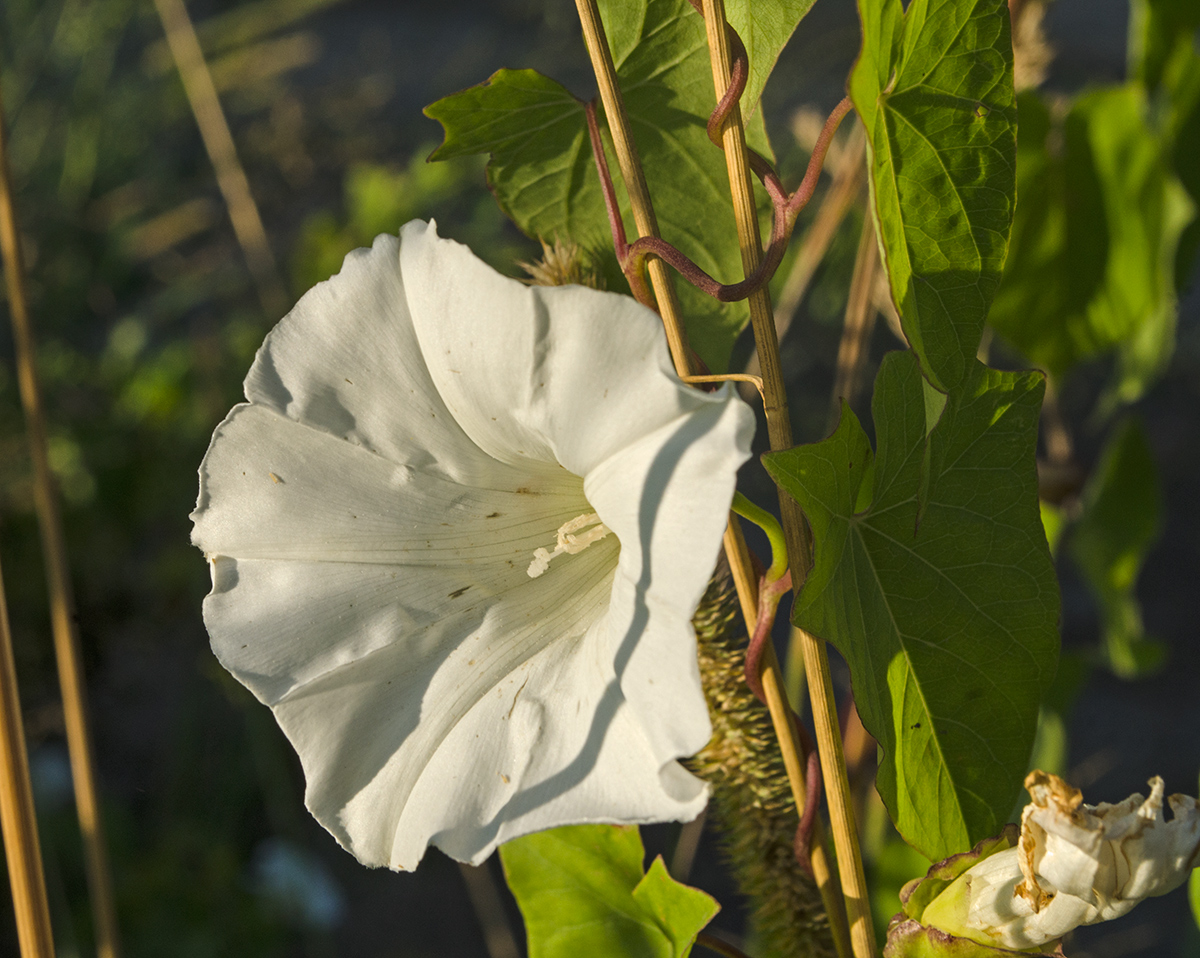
[(779, 431), (17, 819), (58, 580), (218, 142)]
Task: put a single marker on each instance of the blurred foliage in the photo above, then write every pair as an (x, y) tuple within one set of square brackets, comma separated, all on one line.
[(1120, 519), (379, 199), (1105, 239)]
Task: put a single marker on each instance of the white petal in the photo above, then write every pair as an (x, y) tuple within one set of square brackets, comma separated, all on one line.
[(666, 496), (274, 488), (346, 360), (563, 374), (372, 513)]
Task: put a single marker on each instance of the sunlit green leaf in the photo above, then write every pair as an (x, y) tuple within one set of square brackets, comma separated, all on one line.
[(933, 86), (941, 594), (541, 168), (582, 891), (1121, 520), (1091, 262)]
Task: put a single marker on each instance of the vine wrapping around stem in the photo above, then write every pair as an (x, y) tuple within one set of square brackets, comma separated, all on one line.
[(785, 207)]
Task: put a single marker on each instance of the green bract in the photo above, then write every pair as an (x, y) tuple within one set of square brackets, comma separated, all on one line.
[(923, 898), (583, 892), (541, 168), (933, 578), (933, 86)]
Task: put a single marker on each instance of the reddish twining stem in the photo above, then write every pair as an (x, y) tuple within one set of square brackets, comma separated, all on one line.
[(769, 594), (786, 207), (802, 844), (633, 271)]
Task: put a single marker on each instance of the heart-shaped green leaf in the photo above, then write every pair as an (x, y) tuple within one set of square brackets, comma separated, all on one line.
[(932, 577), (933, 86), (541, 168)]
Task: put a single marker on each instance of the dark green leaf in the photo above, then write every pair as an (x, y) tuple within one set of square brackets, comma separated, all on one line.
[(1121, 520), (933, 86), (941, 595), (542, 171), (1091, 261), (582, 892)]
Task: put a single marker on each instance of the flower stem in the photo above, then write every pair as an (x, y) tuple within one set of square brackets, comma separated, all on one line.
[(63, 618), (829, 741), (770, 526)]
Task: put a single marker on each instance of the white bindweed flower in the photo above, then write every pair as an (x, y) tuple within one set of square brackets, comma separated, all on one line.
[(457, 535), (1073, 864)]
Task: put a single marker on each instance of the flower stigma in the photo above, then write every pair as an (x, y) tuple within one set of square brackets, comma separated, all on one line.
[(572, 539)]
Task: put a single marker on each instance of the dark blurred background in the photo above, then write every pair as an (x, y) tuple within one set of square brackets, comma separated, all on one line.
[(148, 319)]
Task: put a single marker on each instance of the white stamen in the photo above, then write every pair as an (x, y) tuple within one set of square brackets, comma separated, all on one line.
[(572, 539)]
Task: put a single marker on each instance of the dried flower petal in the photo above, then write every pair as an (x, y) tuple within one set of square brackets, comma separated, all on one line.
[(1074, 864)]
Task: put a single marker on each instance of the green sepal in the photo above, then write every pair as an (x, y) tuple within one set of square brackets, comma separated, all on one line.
[(919, 893), (908, 938), (582, 891)]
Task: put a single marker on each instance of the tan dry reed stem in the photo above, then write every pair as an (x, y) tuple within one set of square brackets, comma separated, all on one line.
[(856, 329), (779, 431), (18, 821), (218, 142), (635, 184), (58, 578), (634, 178)]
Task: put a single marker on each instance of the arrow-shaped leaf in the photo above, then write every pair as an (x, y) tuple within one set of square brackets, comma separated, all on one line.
[(541, 168), (932, 577), (933, 86)]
